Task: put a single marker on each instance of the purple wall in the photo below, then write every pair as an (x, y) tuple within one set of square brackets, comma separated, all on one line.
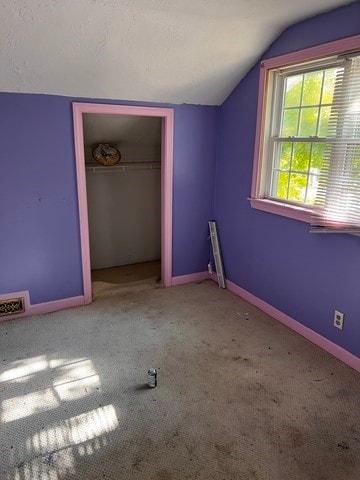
[(39, 237), (194, 182), (275, 258), (305, 275)]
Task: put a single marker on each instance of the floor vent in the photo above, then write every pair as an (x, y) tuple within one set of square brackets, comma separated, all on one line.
[(12, 306)]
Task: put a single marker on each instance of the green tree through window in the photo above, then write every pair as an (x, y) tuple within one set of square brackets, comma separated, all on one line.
[(303, 126)]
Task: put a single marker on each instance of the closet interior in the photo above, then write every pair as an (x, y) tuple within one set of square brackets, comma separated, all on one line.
[(124, 198)]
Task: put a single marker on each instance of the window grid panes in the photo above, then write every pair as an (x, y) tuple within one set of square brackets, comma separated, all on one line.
[(297, 148)]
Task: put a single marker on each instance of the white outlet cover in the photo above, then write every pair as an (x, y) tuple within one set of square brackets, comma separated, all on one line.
[(338, 320)]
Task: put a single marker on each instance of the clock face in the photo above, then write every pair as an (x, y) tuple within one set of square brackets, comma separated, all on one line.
[(106, 154)]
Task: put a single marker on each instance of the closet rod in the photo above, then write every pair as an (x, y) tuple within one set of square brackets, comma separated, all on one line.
[(122, 168)]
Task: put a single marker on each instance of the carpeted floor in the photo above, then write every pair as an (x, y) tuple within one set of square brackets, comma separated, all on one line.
[(128, 273), (239, 397)]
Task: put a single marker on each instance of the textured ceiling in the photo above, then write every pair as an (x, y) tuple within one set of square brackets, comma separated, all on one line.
[(179, 51)]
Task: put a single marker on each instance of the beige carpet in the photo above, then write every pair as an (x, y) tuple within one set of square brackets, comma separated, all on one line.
[(239, 397), (128, 273)]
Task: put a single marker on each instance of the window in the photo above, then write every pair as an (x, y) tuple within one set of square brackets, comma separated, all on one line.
[(299, 132), (307, 152)]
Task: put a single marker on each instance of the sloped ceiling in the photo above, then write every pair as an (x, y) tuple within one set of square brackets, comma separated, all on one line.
[(178, 51), (121, 129)]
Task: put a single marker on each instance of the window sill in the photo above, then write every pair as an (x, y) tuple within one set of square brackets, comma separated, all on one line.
[(283, 209)]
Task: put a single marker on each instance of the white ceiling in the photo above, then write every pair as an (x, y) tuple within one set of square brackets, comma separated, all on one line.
[(179, 51)]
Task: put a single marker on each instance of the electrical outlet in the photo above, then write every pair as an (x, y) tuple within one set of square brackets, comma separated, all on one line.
[(338, 320)]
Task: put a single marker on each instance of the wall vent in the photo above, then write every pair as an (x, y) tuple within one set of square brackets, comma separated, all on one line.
[(12, 306)]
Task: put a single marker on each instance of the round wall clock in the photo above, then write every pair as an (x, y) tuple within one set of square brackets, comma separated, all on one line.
[(106, 154)]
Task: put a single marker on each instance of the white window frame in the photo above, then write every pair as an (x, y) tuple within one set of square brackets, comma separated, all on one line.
[(268, 103)]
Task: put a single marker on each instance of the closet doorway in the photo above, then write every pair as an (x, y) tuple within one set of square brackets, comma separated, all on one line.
[(128, 205)]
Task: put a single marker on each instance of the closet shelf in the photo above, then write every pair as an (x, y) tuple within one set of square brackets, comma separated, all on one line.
[(124, 166)]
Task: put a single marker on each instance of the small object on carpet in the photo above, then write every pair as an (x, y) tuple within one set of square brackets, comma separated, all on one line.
[(152, 377)]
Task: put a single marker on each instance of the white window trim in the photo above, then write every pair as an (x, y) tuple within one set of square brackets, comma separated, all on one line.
[(257, 198)]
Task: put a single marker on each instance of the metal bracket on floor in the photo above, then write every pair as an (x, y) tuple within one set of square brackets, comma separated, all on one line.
[(217, 254)]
